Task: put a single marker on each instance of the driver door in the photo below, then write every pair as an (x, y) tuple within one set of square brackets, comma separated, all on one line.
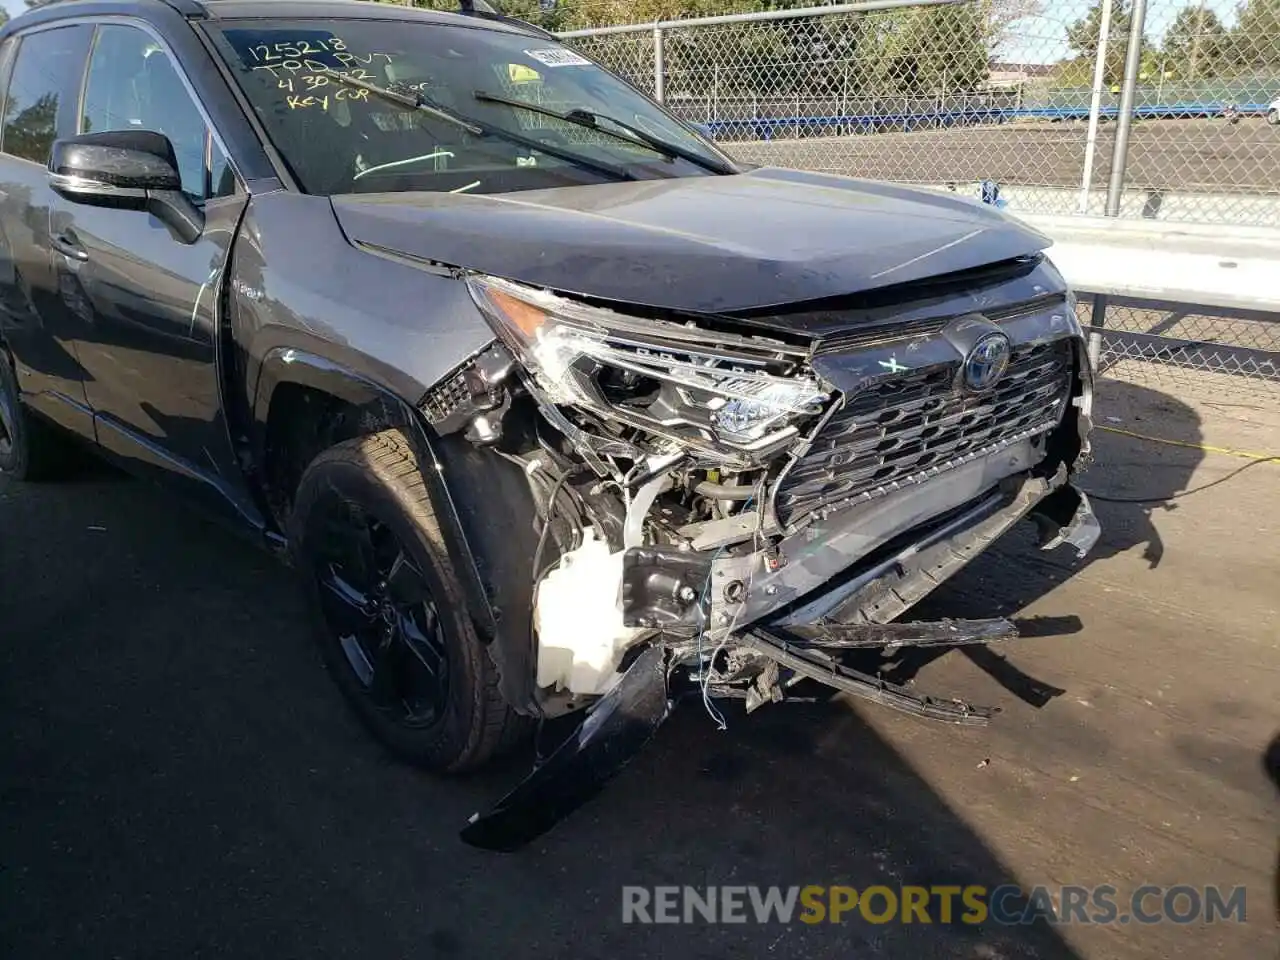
[(147, 300)]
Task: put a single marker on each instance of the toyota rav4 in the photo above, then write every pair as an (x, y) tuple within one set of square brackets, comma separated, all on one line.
[(554, 406)]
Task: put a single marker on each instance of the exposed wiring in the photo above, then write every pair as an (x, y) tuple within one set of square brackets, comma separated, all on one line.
[(704, 667), (1227, 451), (1253, 458), (709, 666), (547, 520), (1107, 498)]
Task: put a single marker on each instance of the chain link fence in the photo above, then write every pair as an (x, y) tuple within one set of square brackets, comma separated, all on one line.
[(1019, 102), (1210, 353), (1025, 94)]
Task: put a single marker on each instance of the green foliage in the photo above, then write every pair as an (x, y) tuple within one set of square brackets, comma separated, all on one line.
[(1084, 37), (1197, 44), (1255, 41)]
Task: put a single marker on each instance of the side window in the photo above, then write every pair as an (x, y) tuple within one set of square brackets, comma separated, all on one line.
[(132, 85), (44, 89)]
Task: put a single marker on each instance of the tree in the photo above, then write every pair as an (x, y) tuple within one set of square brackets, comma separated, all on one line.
[(1196, 43), (935, 50), (899, 53), (1255, 42), (1000, 19), (1084, 37)]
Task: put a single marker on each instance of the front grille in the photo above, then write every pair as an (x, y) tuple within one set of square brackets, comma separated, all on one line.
[(915, 426)]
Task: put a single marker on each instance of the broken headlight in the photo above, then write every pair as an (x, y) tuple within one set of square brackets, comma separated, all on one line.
[(676, 380)]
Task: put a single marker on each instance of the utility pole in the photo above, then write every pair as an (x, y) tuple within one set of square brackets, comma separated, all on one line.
[(1095, 104), (1132, 65)]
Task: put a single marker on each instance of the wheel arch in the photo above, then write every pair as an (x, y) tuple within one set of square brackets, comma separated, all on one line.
[(305, 404)]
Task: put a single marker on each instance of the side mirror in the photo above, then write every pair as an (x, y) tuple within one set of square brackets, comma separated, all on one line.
[(126, 169)]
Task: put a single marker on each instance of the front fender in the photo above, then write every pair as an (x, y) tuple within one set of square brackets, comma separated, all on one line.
[(484, 506)]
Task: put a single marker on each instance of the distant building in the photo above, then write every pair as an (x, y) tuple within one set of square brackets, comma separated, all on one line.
[(1004, 75)]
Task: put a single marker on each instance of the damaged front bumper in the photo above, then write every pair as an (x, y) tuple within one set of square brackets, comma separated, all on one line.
[(801, 642), (729, 513)]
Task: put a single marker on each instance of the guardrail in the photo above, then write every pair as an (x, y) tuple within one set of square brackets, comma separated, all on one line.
[(1175, 298)]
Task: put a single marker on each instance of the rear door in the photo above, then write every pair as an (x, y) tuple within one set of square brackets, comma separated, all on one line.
[(37, 319)]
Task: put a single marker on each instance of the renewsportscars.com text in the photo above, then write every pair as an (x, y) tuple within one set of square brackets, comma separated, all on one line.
[(1008, 904)]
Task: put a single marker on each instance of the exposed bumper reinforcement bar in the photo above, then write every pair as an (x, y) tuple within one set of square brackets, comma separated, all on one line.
[(856, 636), (884, 589), (864, 685), (627, 717)]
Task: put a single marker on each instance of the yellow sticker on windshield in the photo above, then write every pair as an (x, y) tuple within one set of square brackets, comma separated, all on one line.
[(519, 73)]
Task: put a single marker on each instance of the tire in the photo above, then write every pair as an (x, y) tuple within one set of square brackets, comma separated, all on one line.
[(30, 448), (1273, 117), (365, 536)]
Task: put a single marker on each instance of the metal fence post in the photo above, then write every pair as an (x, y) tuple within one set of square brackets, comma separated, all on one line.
[(659, 66), (1097, 323), (1132, 66), (1095, 105)]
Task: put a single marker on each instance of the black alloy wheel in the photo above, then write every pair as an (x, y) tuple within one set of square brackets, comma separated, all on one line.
[(391, 616), (381, 612)]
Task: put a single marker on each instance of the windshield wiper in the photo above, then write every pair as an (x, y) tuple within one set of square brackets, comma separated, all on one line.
[(591, 120), (416, 101)]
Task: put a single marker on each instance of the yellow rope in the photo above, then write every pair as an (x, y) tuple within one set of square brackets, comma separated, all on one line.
[(1243, 454)]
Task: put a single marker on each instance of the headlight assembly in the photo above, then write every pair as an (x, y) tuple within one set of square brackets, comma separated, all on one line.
[(707, 389)]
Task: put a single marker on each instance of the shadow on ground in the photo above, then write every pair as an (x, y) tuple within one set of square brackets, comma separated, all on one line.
[(1014, 573), (181, 779)]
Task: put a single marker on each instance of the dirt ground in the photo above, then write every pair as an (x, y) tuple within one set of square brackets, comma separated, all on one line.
[(180, 780), (1209, 156)]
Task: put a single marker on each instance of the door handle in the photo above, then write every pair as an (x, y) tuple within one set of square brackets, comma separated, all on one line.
[(69, 247)]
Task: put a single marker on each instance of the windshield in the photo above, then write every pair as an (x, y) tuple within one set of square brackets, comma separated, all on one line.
[(361, 132)]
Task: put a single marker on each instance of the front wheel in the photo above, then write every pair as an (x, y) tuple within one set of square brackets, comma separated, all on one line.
[(391, 617), (1273, 117)]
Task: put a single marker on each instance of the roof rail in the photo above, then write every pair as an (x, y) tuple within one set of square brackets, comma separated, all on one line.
[(490, 11), (191, 9)]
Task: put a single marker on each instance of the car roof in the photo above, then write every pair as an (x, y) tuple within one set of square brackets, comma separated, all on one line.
[(269, 9)]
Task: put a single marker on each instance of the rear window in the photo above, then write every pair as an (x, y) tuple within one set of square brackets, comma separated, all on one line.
[(339, 137), (44, 89)]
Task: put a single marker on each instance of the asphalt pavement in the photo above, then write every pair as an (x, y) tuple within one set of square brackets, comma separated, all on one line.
[(179, 779)]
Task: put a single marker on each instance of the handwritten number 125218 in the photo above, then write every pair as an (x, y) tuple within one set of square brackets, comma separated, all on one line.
[(265, 53)]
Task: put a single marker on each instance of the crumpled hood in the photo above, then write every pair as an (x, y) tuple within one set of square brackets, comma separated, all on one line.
[(700, 244)]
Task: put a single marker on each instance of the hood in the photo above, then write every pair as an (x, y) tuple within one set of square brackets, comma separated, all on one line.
[(698, 244)]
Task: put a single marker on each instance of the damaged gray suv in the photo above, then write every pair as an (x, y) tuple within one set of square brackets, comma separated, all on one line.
[(555, 408)]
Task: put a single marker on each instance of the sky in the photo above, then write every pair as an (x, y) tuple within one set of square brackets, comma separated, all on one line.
[(1039, 40), (1043, 39)]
